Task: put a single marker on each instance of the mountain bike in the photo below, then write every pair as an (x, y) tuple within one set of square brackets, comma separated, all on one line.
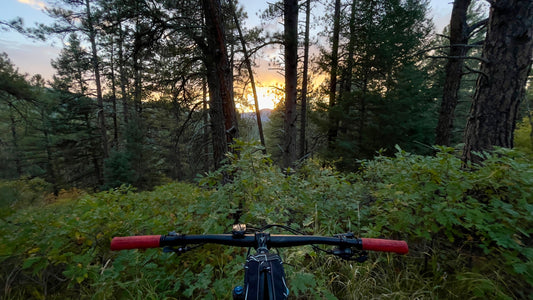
[(264, 275)]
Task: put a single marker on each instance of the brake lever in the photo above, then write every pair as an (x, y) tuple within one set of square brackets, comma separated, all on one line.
[(348, 254), (347, 235), (362, 257), (178, 250)]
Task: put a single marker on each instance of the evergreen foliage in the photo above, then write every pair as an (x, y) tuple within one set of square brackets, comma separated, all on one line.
[(47, 133), (387, 96), (118, 170)]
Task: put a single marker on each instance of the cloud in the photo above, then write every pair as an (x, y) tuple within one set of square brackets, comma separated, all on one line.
[(34, 3)]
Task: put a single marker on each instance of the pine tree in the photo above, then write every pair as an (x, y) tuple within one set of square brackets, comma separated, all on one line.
[(379, 50), (72, 67)]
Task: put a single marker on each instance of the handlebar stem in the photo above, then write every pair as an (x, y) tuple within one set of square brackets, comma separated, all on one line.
[(263, 240)]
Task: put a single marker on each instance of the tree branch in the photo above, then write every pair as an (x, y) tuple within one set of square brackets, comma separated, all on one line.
[(478, 44), (475, 26), (449, 46), (461, 57), (477, 72)]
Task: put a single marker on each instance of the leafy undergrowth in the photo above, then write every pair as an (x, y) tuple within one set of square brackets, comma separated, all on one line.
[(469, 232)]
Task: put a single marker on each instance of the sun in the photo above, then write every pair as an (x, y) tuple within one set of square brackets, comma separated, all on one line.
[(264, 97), (268, 96)]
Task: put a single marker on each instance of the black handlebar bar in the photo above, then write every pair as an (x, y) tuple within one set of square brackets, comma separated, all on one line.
[(253, 240)]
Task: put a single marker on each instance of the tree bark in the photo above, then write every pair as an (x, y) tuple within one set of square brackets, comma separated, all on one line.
[(459, 34), (303, 107), (95, 156), (500, 87), (122, 70), (96, 69), (15, 138), (291, 64), (206, 125), (115, 142), (346, 82), (50, 170), (137, 69), (216, 113), (220, 81), (332, 132)]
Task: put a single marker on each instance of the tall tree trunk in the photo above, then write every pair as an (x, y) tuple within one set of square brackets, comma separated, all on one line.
[(216, 113), (507, 53), (251, 74), (122, 71), (291, 65), (220, 81), (137, 69), (96, 69), (332, 132), (206, 125), (137, 85), (459, 34), (303, 107), (94, 156), (79, 76), (346, 82), (114, 96), (14, 136), (50, 170), (176, 169), (137, 64), (362, 111)]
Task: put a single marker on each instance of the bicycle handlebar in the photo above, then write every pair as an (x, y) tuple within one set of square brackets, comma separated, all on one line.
[(253, 240)]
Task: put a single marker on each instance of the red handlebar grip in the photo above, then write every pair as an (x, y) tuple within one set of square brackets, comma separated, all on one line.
[(135, 242), (395, 246)]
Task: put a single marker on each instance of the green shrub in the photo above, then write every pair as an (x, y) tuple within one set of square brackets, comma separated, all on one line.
[(461, 219), (20, 193)]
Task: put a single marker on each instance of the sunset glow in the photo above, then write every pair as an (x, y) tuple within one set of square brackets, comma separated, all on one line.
[(268, 96)]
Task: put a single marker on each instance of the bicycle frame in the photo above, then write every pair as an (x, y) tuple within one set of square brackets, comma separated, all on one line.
[(264, 278), (267, 285)]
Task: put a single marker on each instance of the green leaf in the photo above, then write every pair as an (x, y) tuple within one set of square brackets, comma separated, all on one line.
[(301, 283), (31, 261)]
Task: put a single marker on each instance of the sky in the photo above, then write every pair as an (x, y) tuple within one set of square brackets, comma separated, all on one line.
[(33, 57)]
